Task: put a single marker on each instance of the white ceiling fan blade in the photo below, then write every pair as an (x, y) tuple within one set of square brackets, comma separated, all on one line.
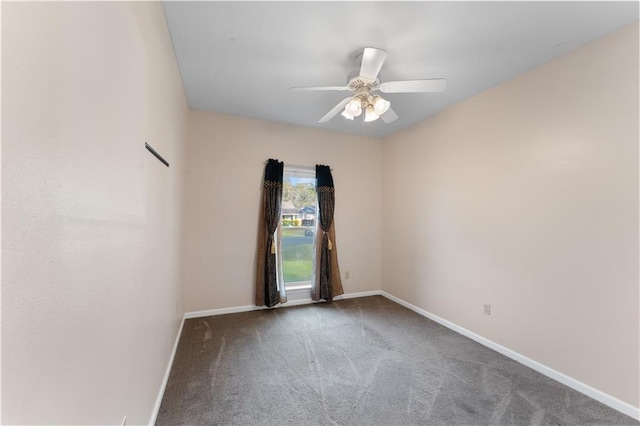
[(433, 85), (389, 116), (336, 109), (372, 60), (317, 88)]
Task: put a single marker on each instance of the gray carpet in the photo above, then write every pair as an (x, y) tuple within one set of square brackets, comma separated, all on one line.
[(362, 361)]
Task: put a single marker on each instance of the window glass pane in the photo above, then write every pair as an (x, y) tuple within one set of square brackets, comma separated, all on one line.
[(298, 224)]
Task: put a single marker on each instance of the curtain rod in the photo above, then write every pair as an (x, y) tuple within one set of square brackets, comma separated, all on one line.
[(156, 154), (299, 166)]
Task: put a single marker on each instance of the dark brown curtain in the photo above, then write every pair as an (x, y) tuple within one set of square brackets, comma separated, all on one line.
[(266, 269), (328, 283)]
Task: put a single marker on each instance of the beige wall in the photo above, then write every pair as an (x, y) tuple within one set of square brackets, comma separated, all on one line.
[(225, 157), (92, 222), (526, 197)]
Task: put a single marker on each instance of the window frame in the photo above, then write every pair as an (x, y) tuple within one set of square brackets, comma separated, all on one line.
[(299, 286)]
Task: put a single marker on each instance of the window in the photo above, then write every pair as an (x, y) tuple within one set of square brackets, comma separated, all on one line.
[(298, 227)]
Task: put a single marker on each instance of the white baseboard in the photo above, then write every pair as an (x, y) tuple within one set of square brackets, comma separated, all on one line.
[(156, 407), (361, 294), (616, 404), (221, 311), (248, 308)]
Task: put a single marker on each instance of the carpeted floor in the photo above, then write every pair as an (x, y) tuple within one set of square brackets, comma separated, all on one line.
[(366, 361)]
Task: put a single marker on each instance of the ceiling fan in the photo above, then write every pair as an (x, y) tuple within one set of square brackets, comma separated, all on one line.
[(365, 82)]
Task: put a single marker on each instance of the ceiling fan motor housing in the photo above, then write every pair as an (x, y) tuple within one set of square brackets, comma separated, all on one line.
[(355, 82)]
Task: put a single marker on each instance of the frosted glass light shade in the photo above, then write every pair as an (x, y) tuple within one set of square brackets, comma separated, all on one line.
[(347, 115), (380, 105), (370, 114), (354, 108)]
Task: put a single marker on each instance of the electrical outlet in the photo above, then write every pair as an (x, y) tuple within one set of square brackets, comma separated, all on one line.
[(347, 275), (487, 309)]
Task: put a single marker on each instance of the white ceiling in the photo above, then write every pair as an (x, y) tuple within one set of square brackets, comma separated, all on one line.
[(240, 58)]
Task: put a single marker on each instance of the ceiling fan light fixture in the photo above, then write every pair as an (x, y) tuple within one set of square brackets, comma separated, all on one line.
[(380, 105), (370, 114), (354, 108)]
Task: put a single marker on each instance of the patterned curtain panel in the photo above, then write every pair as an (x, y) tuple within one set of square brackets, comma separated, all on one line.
[(328, 283), (267, 292)]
